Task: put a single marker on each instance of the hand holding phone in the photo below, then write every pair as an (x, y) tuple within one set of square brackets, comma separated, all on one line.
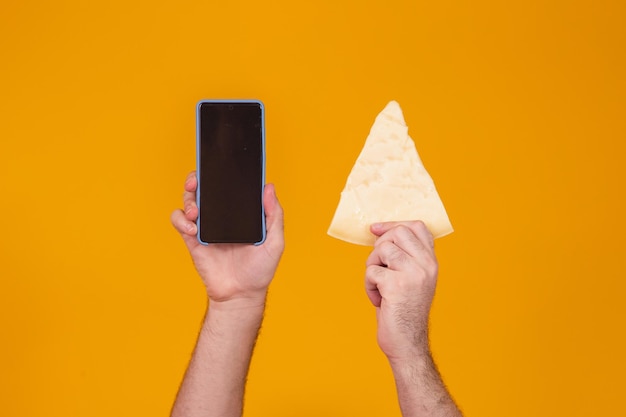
[(231, 171)]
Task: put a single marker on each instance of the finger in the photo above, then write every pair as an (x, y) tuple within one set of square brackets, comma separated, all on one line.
[(374, 259), (417, 226), (191, 182), (183, 225), (186, 229), (380, 228), (422, 232), (374, 276), (190, 206), (389, 255), (274, 218), (405, 238)]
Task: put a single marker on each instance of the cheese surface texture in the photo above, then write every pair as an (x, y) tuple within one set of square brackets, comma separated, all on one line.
[(388, 183)]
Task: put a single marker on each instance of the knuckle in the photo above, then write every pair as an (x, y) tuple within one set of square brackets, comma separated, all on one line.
[(404, 232), (409, 234), (419, 224), (420, 227), (374, 271), (370, 272), (380, 240), (189, 205), (403, 228), (386, 247)]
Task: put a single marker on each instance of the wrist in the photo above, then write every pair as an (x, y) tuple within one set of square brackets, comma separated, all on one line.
[(411, 357), (248, 301), (237, 304), (235, 314)]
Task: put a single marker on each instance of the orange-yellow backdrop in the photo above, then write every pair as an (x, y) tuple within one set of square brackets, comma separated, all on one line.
[(518, 110)]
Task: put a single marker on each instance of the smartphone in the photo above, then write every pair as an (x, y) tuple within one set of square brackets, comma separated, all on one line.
[(231, 171)]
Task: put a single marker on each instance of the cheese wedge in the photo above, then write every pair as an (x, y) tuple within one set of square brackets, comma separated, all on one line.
[(388, 183)]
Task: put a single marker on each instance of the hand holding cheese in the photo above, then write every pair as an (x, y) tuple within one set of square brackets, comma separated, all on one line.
[(388, 183)]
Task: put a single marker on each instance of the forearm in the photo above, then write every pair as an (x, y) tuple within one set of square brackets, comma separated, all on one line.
[(421, 391), (215, 379)]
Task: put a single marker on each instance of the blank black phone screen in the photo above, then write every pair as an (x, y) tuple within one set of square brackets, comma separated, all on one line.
[(230, 146)]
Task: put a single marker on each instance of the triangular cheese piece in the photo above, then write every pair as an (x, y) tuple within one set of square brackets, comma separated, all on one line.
[(388, 183)]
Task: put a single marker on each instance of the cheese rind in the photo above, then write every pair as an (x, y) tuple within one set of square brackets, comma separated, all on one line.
[(388, 183)]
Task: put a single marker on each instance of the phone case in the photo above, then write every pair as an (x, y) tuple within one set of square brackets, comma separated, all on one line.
[(262, 106)]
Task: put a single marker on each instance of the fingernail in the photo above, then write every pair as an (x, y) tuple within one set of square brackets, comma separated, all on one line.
[(377, 225)]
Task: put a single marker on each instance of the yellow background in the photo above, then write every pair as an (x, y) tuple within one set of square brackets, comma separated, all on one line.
[(517, 109)]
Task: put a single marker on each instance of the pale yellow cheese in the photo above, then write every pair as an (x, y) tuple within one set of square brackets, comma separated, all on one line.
[(388, 183)]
